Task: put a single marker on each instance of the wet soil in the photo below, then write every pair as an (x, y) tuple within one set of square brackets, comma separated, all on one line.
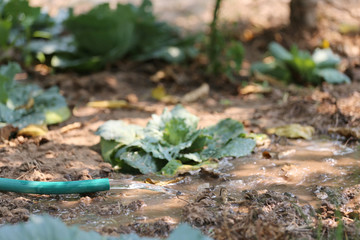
[(287, 189)]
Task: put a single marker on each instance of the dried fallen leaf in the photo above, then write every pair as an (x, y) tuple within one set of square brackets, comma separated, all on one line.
[(266, 154), (346, 131), (293, 131), (198, 93), (69, 127), (7, 131), (163, 183), (254, 88), (159, 93), (132, 98), (108, 104), (158, 76), (33, 130)]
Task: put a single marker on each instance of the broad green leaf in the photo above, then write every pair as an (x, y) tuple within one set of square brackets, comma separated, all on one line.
[(19, 94), (44, 227), (325, 58), (158, 149), (20, 12), (5, 27), (108, 148), (139, 160), (22, 105), (163, 150), (26, 118), (190, 157), (275, 69), (159, 122), (120, 132), (224, 131), (331, 75), (184, 231), (57, 115), (77, 62), (3, 89), (53, 105), (198, 144), (171, 167), (103, 30), (10, 70), (170, 54), (279, 52), (8, 115), (48, 47), (238, 147), (175, 131)]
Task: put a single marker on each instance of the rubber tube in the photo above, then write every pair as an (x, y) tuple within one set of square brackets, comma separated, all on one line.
[(84, 186)]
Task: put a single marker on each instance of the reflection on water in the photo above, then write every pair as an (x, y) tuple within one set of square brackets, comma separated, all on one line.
[(297, 168)]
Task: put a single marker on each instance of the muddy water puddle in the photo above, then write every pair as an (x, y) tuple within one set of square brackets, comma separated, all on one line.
[(300, 168)]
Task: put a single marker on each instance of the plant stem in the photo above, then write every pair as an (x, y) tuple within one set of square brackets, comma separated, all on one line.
[(214, 47)]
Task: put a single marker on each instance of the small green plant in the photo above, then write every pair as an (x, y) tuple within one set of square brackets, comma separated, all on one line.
[(87, 42), (171, 142), (104, 35), (301, 67), (339, 230), (21, 105), (223, 57), (19, 23)]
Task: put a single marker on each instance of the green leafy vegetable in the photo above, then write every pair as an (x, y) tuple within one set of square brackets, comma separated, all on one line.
[(171, 142), (87, 42), (19, 22), (302, 67), (21, 105), (46, 227), (104, 35), (103, 30)]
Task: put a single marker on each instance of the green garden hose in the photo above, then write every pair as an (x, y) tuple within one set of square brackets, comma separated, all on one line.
[(85, 186)]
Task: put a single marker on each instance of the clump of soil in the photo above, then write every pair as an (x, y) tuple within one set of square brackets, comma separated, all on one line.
[(255, 215), (14, 209), (326, 107)]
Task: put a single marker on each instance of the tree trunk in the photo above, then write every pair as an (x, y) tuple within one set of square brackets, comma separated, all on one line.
[(303, 14)]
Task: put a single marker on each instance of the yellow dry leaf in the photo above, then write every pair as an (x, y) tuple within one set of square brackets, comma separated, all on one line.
[(254, 88), (159, 93), (108, 104), (293, 131), (325, 44), (69, 127), (158, 76), (196, 94), (163, 183), (33, 130)]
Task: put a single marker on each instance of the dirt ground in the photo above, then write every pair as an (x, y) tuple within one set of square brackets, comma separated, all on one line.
[(70, 151)]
